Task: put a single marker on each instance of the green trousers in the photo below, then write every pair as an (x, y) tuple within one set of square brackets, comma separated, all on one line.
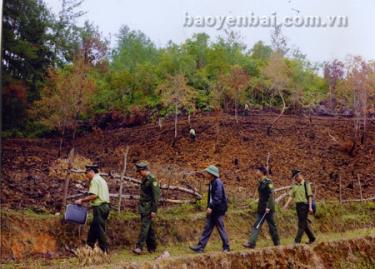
[(97, 228), (270, 218), (147, 233)]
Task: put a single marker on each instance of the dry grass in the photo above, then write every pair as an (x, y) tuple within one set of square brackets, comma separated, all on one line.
[(87, 256), (59, 168)]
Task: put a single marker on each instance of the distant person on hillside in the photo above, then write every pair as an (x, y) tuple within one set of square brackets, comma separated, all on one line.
[(266, 209), (148, 205), (192, 134), (99, 201), (216, 208), (247, 109), (301, 193)]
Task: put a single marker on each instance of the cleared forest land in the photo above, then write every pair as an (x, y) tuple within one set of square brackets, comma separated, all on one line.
[(33, 176), (33, 235)]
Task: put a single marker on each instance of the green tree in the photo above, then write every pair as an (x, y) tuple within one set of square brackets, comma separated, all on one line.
[(26, 56), (133, 48), (67, 35)]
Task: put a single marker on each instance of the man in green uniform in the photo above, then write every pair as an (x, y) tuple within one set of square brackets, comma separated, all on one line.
[(266, 209), (302, 195), (99, 201), (149, 200)]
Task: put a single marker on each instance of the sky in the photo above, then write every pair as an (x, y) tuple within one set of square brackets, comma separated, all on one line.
[(166, 20)]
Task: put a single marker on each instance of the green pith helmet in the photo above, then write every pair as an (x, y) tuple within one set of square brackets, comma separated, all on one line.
[(141, 165), (295, 172), (213, 170)]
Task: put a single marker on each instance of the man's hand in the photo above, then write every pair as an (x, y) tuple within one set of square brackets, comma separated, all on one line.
[(153, 215), (268, 210), (311, 210), (78, 202), (209, 211)]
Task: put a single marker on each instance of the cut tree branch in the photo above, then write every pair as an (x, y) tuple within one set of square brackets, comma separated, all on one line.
[(136, 197), (134, 180)]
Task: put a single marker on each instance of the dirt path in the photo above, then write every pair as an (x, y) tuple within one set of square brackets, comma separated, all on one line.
[(332, 250)]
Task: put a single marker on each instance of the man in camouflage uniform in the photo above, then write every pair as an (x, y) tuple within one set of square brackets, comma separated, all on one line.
[(149, 200), (266, 209)]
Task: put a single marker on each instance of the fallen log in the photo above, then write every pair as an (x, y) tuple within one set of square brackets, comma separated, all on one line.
[(136, 197), (359, 200), (134, 180)]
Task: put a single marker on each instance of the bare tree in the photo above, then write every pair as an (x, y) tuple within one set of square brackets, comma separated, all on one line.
[(279, 41), (360, 81), (177, 94), (333, 73), (217, 98), (277, 75), (65, 97), (236, 81)]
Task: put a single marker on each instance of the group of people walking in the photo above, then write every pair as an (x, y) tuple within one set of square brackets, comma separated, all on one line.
[(217, 206)]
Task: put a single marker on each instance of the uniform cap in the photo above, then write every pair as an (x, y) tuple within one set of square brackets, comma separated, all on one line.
[(93, 167), (295, 172), (263, 169), (141, 165)]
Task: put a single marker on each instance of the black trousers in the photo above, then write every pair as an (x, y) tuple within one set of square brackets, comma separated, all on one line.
[(303, 224), (97, 228), (213, 221), (270, 218)]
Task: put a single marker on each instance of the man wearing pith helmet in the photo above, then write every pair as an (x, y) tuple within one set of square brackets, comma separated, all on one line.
[(216, 208), (148, 205)]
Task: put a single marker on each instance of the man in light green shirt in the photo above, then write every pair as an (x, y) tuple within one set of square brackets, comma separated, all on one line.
[(99, 187), (99, 201), (302, 195)]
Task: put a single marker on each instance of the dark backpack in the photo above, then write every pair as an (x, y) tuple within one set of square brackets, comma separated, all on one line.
[(313, 203)]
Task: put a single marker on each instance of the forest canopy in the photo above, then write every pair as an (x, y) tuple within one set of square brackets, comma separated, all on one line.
[(55, 72)]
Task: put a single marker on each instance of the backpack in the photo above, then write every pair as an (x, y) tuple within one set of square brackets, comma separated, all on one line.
[(313, 203)]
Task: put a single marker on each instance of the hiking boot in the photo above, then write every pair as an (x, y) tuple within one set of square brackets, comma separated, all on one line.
[(248, 245), (226, 250), (137, 251), (197, 248)]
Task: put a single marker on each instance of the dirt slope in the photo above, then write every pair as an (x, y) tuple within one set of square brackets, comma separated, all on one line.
[(28, 181)]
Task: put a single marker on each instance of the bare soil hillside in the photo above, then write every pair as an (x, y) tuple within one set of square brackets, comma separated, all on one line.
[(322, 148)]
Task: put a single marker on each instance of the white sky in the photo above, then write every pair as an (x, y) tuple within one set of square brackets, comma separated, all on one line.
[(163, 20)]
